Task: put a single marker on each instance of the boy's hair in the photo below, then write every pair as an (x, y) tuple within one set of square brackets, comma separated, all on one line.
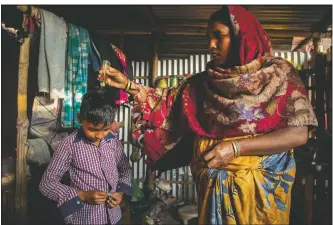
[(97, 107)]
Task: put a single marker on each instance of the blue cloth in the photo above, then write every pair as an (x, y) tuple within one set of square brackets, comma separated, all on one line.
[(76, 77)]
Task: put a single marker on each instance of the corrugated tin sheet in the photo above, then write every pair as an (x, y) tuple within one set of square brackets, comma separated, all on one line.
[(295, 17), (184, 11)]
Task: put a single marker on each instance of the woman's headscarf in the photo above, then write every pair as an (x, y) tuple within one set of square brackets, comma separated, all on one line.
[(262, 94)]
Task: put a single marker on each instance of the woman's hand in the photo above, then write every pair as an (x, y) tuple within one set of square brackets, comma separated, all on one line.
[(113, 78), (219, 155)]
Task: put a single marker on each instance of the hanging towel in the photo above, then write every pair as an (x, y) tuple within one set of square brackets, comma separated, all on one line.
[(76, 74), (52, 55)]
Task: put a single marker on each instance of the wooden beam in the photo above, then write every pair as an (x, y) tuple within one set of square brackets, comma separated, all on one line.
[(185, 45), (302, 43), (173, 55), (22, 132), (198, 31), (202, 50), (155, 60)]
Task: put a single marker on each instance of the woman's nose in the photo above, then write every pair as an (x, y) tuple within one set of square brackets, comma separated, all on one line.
[(212, 44)]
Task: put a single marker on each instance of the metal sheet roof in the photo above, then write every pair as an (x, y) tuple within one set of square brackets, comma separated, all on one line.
[(182, 27)]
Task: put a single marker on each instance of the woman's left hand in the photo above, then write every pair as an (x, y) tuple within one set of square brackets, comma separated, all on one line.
[(219, 155)]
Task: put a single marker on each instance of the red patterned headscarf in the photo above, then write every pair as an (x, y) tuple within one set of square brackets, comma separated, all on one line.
[(253, 40), (258, 97)]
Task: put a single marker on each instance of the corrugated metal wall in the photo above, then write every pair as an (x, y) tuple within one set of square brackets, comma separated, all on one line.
[(181, 179)]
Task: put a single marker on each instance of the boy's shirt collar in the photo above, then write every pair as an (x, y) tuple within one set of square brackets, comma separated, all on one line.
[(80, 135)]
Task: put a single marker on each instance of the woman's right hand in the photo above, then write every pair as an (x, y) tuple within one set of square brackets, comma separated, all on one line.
[(113, 78)]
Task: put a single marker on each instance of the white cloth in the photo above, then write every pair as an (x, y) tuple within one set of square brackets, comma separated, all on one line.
[(38, 151), (52, 55)]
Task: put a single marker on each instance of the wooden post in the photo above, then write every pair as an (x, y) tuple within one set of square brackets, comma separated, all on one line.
[(154, 60), (318, 65), (22, 132), (149, 182), (22, 124), (150, 176), (309, 197)]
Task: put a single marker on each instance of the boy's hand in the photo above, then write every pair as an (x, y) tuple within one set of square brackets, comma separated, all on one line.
[(93, 197), (114, 199)]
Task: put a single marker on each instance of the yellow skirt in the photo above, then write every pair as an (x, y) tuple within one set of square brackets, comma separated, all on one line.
[(249, 190)]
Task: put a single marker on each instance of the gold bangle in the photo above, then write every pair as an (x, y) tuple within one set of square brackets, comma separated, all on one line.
[(236, 148), (127, 85), (130, 86)]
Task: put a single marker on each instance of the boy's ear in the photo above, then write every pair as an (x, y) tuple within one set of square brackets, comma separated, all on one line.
[(79, 118)]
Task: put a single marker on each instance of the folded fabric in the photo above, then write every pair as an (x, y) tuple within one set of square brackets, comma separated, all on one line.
[(52, 55), (45, 120), (38, 151)]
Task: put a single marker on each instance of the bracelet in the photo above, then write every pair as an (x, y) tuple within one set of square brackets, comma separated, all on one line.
[(236, 148), (128, 85)]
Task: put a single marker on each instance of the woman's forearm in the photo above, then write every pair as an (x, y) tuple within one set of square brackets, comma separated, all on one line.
[(133, 92), (274, 142), (133, 88)]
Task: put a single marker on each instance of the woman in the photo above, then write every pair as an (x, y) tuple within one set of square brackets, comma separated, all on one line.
[(234, 123)]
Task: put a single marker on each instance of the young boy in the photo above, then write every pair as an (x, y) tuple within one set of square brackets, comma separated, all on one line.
[(99, 170)]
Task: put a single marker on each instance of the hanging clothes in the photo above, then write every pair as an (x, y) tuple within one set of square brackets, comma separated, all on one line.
[(52, 55), (76, 74)]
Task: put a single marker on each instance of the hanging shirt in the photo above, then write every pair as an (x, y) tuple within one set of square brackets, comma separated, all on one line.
[(103, 168)]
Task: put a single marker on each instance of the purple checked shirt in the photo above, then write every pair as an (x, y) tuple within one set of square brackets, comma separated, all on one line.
[(103, 168)]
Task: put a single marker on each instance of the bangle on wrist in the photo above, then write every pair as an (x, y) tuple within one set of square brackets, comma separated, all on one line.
[(235, 148), (128, 85)]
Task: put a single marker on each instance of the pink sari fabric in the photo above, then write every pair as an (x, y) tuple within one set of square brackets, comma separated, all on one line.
[(122, 58)]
